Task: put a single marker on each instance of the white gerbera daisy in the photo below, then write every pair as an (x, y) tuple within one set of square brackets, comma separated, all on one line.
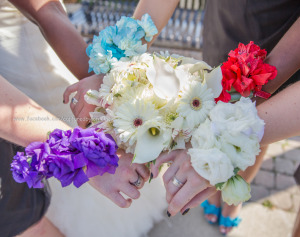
[(131, 116), (195, 103)]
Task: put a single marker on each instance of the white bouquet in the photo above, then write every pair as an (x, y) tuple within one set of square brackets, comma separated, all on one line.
[(160, 102)]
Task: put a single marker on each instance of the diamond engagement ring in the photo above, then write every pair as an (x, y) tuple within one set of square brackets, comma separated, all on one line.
[(177, 183), (74, 101), (138, 182)]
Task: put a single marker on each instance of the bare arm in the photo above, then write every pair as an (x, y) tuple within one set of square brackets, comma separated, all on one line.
[(281, 114), (285, 56), (23, 121), (160, 12), (57, 29)]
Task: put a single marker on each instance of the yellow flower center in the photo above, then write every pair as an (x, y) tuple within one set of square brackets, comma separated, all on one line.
[(170, 117), (154, 131)]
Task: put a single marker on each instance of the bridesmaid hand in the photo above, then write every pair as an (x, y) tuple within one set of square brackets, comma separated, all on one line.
[(127, 179), (79, 106), (184, 186)]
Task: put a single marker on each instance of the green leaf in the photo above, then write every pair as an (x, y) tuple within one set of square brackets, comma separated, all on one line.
[(219, 186), (236, 170)]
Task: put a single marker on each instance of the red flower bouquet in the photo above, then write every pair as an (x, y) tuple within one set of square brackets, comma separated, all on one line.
[(245, 72)]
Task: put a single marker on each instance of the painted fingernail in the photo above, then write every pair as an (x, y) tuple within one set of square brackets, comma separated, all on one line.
[(168, 213), (186, 211), (88, 125), (151, 176)]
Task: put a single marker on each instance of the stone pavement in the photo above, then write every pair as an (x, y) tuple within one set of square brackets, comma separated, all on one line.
[(271, 211)]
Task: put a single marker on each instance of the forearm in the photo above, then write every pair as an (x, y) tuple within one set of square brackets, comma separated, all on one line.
[(59, 32), (23, 121), (285, 57), (281, 114), (160, 12)]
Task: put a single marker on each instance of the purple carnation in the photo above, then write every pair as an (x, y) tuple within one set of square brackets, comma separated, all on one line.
[(59, 142), (67, 168), (65, 156), (100, 150), (23, 171)]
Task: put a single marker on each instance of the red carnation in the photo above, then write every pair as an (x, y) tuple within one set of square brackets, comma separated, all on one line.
[(245, 71)]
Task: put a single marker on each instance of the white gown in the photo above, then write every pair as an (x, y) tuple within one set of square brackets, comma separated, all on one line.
[(28, 62)]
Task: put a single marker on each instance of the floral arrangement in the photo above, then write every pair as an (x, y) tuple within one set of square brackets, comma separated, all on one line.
[(69, 156), (161, 102), (228, 141), (122, 40), (245, 72)]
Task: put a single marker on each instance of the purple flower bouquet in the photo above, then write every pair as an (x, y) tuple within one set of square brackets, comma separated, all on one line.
[(68, 156)]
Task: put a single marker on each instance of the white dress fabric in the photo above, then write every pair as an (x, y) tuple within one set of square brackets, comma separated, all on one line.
[(28, 62)]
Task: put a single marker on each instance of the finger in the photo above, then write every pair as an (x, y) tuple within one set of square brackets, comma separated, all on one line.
[(175, 166), (85, 112), (70, 89), (82, 120), (199, 198), (172, 188), (170, 173), (136, 180), (163, 158), (130, 190), (119, 200), (76, 109), (143, 171), (184, 195)]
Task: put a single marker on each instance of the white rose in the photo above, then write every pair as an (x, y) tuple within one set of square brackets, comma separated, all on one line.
[(241, 150), (249, 113), (204, 136), (237, 118), (236, 190), (211, 164)]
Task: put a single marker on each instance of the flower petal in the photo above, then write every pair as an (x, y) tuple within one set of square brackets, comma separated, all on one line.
[(214, 81), (163, 78)]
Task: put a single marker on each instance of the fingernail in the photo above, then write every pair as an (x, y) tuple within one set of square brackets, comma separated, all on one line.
[(168, 213), (88, 125), (64, 101), (186, 211), (151, 176)]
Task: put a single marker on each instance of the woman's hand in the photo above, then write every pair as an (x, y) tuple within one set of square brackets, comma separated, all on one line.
[(127, 179), (79, 106), (184, 186)]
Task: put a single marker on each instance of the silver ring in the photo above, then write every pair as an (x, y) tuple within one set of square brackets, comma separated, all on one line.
[(138, 182), (74, 101), (177, 183)]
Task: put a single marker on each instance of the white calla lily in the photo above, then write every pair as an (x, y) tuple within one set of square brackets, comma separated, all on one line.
[(199, 67), (151, 140), (163, 78), (213, 80)]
